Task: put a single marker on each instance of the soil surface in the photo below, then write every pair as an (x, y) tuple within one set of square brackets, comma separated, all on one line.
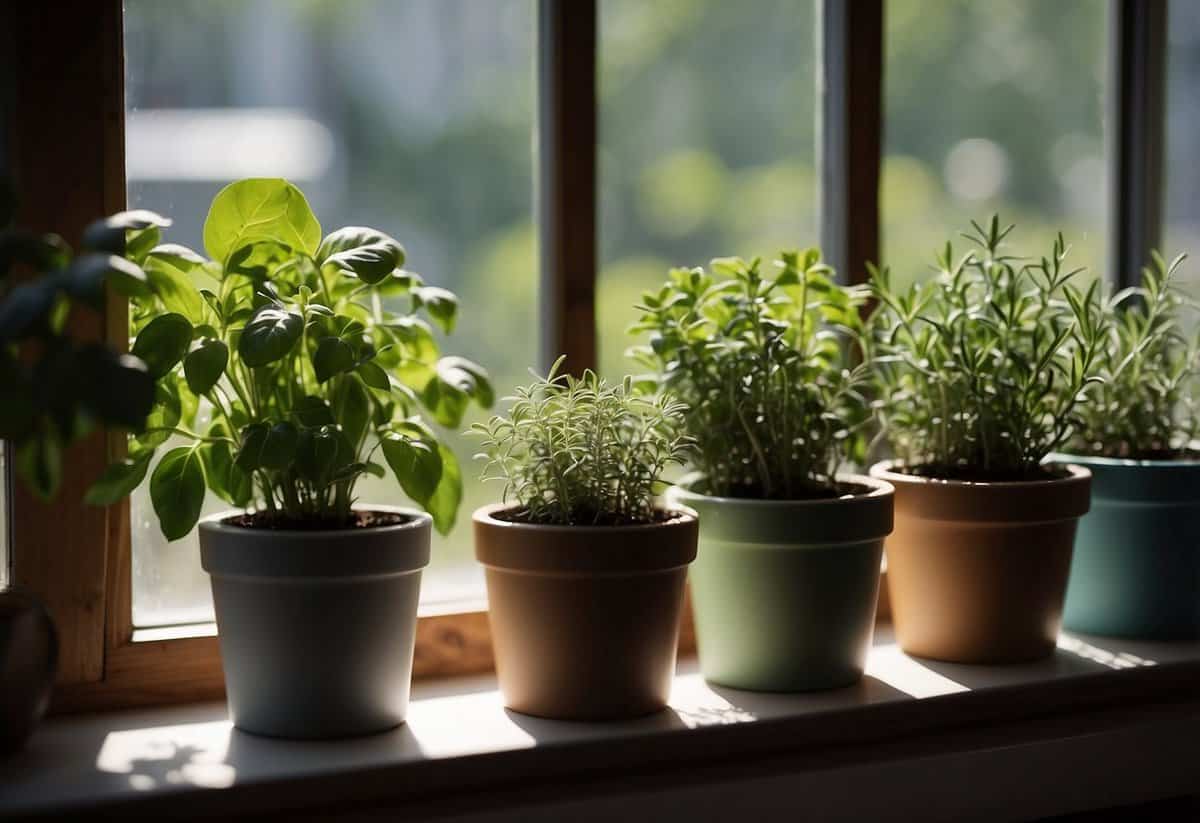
[(521, 515), (969, 474), (359, 520)]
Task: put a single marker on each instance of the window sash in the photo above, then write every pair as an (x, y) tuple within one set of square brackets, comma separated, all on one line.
[(68, 163)]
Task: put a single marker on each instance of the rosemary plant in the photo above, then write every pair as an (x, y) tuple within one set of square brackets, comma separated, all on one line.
[(984, 370), (774, 400), (1146, 408), (578, 451)]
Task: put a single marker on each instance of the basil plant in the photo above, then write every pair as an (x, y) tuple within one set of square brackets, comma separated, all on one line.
[(57, 388), (310, 375)]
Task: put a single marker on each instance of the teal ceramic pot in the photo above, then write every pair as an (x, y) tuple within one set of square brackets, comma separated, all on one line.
[(1136, 570), (784, 592)]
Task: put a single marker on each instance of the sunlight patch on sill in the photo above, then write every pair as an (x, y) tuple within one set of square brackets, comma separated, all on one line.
[(892, 666), (1114, 660), (193, 754)]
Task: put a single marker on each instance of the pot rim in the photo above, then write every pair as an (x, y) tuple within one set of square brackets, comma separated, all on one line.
[(885, 470), (486, 515), (1120, 462), (879, 487), (418, 519)]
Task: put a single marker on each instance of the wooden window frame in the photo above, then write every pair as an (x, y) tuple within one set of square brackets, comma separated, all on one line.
[(65, 144)]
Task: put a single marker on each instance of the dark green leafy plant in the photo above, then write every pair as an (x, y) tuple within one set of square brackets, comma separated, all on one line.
[(583, 452), (57, 389), (1146, 408), (774, 399), (985, 369), (286, 338)]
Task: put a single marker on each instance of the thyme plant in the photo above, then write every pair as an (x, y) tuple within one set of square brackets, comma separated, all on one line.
[(1146, 408), (579, 451), (309, 374), (984, 370), (774, 398)]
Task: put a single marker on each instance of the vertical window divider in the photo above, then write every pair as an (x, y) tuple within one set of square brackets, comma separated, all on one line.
[(67, 167), (566, 199), (850, 132), (1136, 113)]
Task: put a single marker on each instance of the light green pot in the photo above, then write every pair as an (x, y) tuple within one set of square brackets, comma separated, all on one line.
[(784, 592)]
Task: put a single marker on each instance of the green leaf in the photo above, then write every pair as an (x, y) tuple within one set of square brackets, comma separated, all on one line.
[(204, 365), (369, 254), (164, 414), (254, 441), (313, 411), (26, 308), (332, 357), (447, 402), (110, 234), (447, 497), (321, 453), (177, 491), (440, 304), (87, 274), (269, 336), (39, 463), (171, 270), (468, 377), (351, 408), (116, 388), (374, 376), (279, 447), (259, 209), (224, 476), (415, 338), (416, 462), (163, 343), (119, 480)]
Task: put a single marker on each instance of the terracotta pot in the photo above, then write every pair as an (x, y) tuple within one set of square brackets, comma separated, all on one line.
[(317, 628), (784, 591), (28, 661), (977, 572), (585, 619)]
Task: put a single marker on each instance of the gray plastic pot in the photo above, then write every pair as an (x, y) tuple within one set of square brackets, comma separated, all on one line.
[(317, 628)]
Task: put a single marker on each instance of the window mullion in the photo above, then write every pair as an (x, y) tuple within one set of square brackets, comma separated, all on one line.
[(1135, 129), (849, 135), (566, 202)]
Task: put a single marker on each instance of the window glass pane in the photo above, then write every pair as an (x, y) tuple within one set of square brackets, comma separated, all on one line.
[(706, 143), (412, 116), (1182, 213), (993, 107)]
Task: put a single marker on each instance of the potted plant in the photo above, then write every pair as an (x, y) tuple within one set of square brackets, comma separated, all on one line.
[(56, 391), (1136, 570), (785, 586), (287, 379), (981, 373), (585, 572)]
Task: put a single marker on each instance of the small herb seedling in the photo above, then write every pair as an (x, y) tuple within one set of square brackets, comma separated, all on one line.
[(578, 451)]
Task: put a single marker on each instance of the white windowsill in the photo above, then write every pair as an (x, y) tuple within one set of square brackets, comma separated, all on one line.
[(904, 716)]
